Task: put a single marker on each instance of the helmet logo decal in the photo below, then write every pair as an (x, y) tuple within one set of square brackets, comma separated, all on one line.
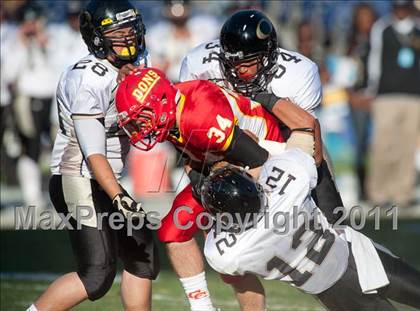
[(85, 18), (238, 54), (145, 85), (126, 14), (97, 41), (263, 29), (106, 21)]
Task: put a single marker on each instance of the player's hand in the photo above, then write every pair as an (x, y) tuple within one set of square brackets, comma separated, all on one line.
[(126, 70), (126, 205)]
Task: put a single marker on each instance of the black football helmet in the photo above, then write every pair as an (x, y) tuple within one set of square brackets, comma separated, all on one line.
[(247, 36), (232, 190), (100, 16)]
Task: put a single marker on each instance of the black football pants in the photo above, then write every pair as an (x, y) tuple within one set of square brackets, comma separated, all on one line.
[(346, 294)]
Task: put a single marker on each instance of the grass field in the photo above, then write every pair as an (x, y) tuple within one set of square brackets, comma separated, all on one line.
[(167, 295), (40, 251)]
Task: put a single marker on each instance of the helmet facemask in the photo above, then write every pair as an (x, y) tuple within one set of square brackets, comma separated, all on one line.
[(248, 36), (124, 40), (139, 127), (249, 86), (125, 46), (144, 126)]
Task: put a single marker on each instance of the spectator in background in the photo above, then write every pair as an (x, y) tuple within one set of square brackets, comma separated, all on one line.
[(33, 76), (394, 76), (69, 46), (359, 46), (307, 43), (7, 34), (170, 40)]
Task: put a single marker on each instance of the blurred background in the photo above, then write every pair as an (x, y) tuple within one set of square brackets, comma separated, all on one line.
[(368, 53)]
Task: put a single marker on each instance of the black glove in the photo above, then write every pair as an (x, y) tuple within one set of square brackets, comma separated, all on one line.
[(197, 179), (124, 203)]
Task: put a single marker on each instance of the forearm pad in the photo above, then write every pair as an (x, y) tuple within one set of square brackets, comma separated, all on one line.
[(303, 141), (244, 151)]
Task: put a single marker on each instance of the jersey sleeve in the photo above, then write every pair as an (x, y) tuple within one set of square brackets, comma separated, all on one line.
[(309, 95), (89, 96), (210, 123), (86, 103), (302, 86), (201, 63), (185, 73)]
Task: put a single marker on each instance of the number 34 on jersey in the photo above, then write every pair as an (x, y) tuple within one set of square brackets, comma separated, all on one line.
[(224, 124)]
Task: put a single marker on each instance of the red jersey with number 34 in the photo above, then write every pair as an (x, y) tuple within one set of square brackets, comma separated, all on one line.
[(208, 115)]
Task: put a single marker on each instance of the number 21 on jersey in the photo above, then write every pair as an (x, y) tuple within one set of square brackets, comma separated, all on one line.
[(219, 133)]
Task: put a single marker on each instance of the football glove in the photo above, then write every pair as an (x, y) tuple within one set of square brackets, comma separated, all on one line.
[(126, 205)]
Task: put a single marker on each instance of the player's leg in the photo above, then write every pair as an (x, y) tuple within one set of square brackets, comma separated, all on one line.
[(139, 254), (95, 249), (405, 145), (68, 288), (136, 292), (248, 291), (383, 156), (404, 280), (177, 230), (346, 294)]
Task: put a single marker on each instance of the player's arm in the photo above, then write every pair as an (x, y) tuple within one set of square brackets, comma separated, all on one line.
[(220, 135), (297, 111), (88, 120), (196, 172), (295, 118), (244, 151), (90, 133)]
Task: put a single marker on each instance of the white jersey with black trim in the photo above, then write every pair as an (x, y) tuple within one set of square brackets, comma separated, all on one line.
[(297, 78), (293, 242), (87, 89)]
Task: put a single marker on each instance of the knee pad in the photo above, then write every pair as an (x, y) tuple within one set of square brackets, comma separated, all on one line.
[(98, 280)]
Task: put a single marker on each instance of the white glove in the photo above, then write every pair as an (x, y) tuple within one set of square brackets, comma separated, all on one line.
[(124, 203)]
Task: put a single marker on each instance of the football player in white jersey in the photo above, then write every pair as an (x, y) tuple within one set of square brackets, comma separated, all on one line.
[(268, 225), (247, 59), (88, 158)]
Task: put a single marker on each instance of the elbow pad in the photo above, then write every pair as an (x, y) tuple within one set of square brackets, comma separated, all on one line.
[(244, 151), (90, 133), (267, 100)]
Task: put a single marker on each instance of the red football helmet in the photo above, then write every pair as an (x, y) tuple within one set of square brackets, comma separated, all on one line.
[(146, 103)]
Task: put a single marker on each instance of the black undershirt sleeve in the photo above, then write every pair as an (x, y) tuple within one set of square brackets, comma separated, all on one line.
[(245, 151), (267, 100)]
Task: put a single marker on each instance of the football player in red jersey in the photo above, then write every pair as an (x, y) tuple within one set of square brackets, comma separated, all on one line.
[(207, 123)]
